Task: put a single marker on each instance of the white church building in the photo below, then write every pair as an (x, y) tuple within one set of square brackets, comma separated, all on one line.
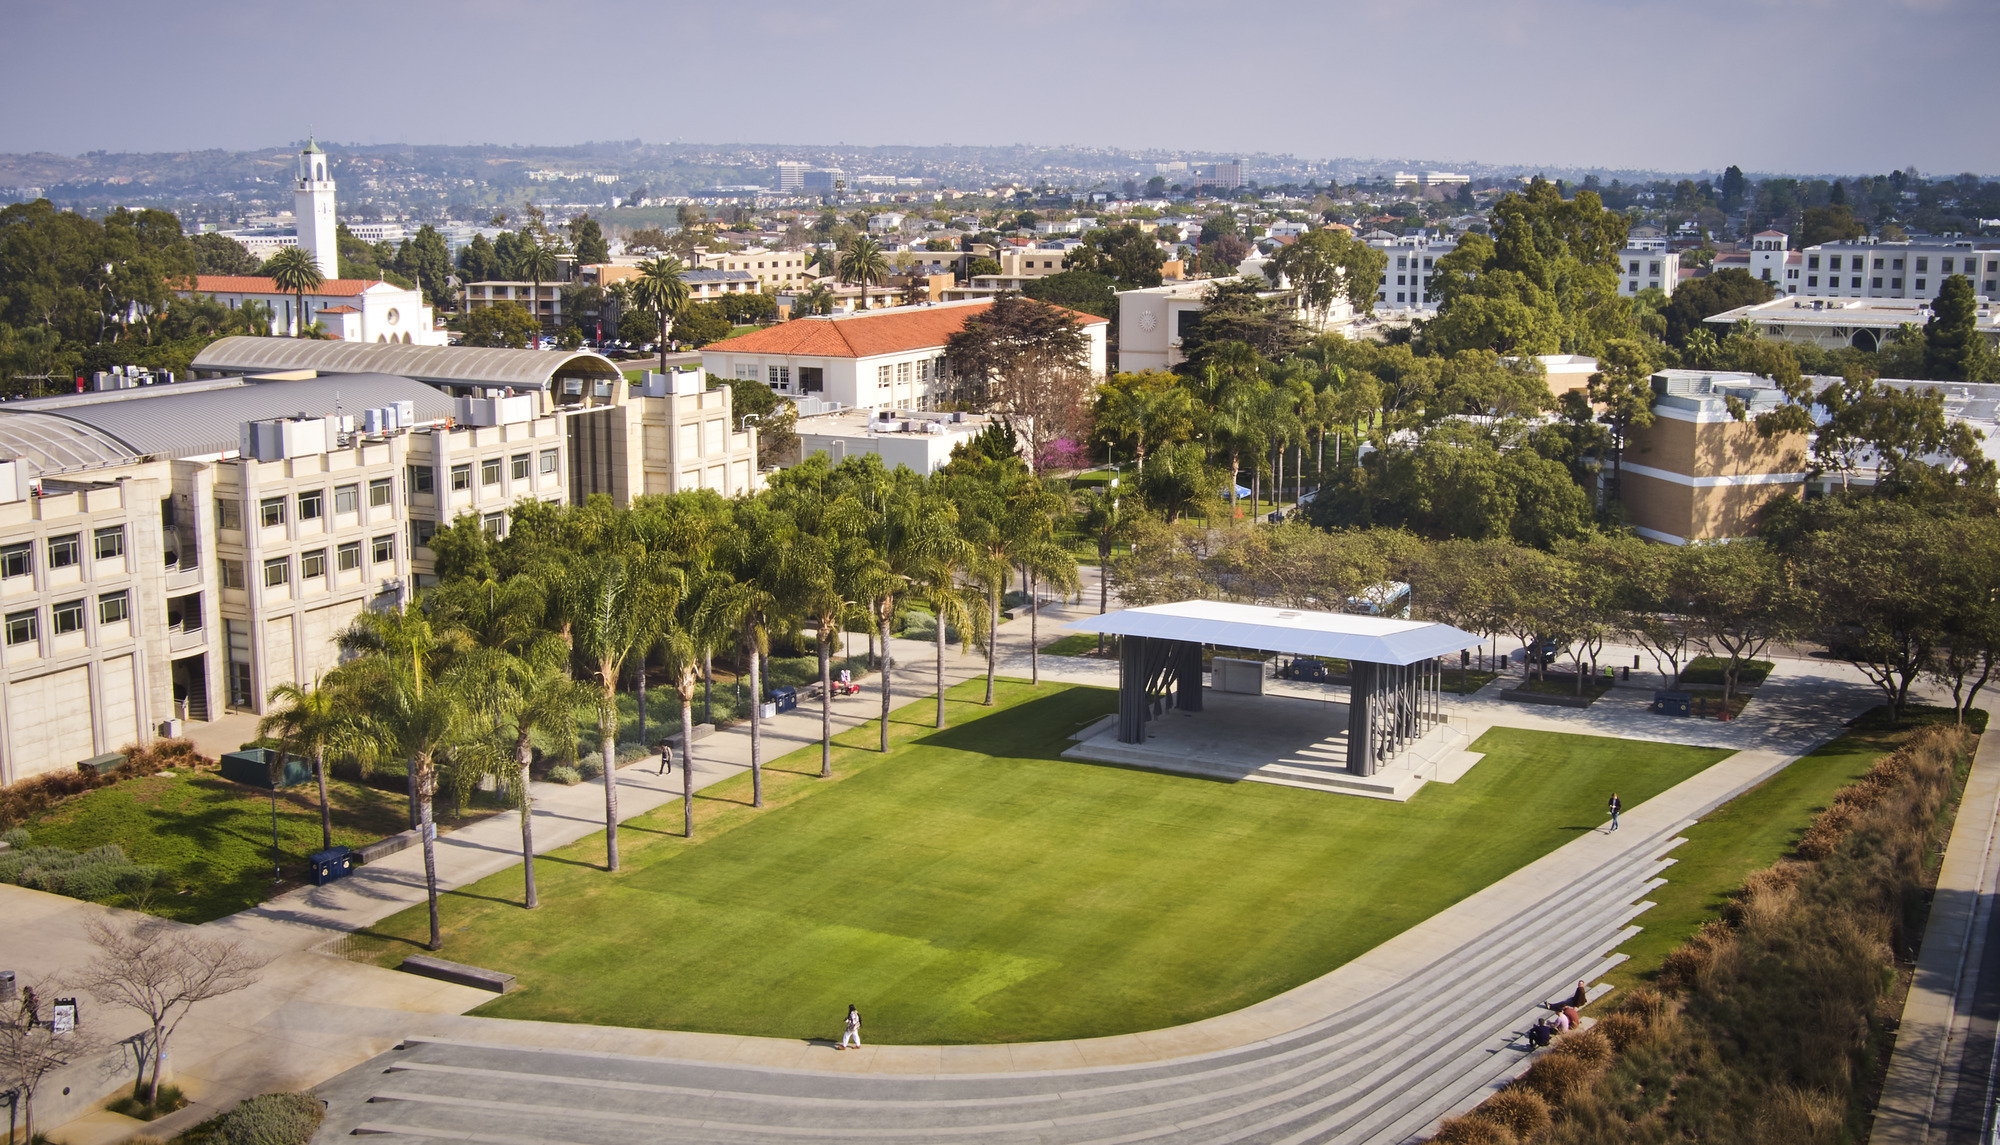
[(347, 309)]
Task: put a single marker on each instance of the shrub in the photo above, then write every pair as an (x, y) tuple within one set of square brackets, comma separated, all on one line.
[(15, 837), (1556, 1078), (98, 873), (1587, 1046), (1826, 832), (1624, 1030), (1643, 1003), (1793, 1116), (274, 1119), (1522, 1112), (20, 802), (565, 774), (590, 767), (1471, 1130)]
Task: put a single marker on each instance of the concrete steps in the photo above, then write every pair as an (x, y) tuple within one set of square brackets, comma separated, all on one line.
[(1377, 1072)]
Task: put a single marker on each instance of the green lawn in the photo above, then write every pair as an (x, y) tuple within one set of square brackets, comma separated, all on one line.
[(970, 886), (214, 836), (1746, 835), (1077, 644)]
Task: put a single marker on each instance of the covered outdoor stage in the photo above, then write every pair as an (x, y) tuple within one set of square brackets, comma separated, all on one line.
[(1373, 725)]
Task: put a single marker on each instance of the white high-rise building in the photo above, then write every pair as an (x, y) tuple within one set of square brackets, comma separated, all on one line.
[(312, 207)]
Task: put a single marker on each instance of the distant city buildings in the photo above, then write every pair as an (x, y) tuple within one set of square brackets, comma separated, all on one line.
[(1871, 268)]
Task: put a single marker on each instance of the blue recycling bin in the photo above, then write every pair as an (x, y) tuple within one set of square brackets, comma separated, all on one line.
[(331, 865), (785, 697), (1673, 703)]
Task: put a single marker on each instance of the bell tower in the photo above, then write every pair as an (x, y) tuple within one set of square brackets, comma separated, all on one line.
[(312, 207)]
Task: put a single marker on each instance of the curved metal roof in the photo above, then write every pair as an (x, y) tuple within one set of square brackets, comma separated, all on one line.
[(195, 418), (438, 365), (1335, 635), (53, 444)]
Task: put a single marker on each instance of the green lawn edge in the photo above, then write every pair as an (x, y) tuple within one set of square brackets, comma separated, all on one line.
[(1527, 808)]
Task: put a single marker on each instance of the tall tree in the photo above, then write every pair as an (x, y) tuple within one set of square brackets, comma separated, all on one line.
[(311, 721), (1623, 388), (661, 290), (1953, 348), (616, 609), (863, 264), (292, 269)]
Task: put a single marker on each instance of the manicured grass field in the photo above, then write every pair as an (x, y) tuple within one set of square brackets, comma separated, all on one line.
[(213, 836), (1075, 644), (970, 886), (1746, 835)]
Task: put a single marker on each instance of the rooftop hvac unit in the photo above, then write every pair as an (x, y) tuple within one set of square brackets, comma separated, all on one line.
[(406, 414), (933, 427), (371, 421)]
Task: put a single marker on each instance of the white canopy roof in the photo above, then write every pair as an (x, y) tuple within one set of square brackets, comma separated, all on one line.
[(1335, 635)]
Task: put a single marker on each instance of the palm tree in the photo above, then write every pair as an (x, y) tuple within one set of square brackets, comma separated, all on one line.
[(310, 722), (1146, 414), (691, 629), (1106, 521), (517, 696), (294, 270), (615, 610), (538, 264), (1033, 545), (911, 528), (816, 299), (661, 289), (408, 712), (863, 264), (953, 604), (828, 556)]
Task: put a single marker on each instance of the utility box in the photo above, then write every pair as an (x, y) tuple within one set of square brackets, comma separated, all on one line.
[(252, 768), (1673, 703), (1231, 675), (331, 865)]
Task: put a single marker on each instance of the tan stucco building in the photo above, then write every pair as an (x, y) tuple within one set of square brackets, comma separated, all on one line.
[(1699, 473)]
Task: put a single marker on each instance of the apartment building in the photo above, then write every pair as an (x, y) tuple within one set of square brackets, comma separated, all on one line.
[(1913, 269), (543, 300), (773, 270), (884, 358), (1406, 278), (1647, 264)]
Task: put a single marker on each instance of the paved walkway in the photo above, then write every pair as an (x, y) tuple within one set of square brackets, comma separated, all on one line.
[(303, 1024), (1941, 1077)]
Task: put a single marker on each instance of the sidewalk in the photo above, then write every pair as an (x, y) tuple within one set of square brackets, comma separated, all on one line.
[(1924, 1071)]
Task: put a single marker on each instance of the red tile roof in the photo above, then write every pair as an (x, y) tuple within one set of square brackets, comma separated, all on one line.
[(338, 310), (253, 284), (866, 335)]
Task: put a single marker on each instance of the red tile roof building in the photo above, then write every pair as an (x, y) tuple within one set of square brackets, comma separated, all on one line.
[(879, 359)]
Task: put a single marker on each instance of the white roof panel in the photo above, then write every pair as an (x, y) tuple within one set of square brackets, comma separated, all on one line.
[(1301, 632)]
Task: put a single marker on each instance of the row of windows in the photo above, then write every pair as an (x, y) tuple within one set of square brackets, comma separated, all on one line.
[(312, 564), (24, 627), (63, 552), (310, 505)]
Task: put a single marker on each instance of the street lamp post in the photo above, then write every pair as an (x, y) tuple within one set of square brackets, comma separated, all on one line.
[(277, 871)]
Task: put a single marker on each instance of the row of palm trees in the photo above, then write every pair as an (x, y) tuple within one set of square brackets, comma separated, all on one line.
[(461, 683)]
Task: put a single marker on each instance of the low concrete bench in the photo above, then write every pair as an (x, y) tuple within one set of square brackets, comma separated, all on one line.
[(382, 848), (458, 973)]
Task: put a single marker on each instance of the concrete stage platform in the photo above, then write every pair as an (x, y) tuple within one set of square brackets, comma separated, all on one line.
[(1277, 739)]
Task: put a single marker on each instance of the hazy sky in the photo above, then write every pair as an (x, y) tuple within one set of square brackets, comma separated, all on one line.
[(1777, 85)]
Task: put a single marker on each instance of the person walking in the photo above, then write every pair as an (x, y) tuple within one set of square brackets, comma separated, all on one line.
[(1615, 808), (853, 1033), (666, 757)]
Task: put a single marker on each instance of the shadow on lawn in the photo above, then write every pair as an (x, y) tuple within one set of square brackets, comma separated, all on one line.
[(1035, 729)]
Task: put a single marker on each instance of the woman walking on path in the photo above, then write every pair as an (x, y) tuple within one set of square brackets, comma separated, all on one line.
[(1615, 807), (853, 1033)]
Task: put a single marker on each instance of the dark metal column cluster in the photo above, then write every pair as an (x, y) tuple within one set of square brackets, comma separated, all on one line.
[(1149, 672), (1390, 706)]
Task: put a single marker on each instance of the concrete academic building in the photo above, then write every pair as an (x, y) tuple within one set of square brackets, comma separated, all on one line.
[(1700, 474)]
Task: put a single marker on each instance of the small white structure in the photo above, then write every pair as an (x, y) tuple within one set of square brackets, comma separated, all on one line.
[(914, 438)]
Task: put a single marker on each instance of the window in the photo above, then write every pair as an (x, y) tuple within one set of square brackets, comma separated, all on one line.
[(1856, 284), (1653, 269), (66, 618), (232, 574), (1924, 264), (495, 524), (461, 476), (1403, 279), (882, 376), (1944, 265), (1878, 264), (489, 471), (1812, 280), (384, 550), (346, 498), (1873, 283), (1635, 266), (421, 479), (271, 512), (113, 607), (312, 565), (228, 514), (421, 533), (110, 543), (1812, 262), (548, 461), (902, 373), (65, 551), (1920, 284), (347, 557), (277, 571), (1895, 284), (1991, 286), (1895, 264), (21, 627), (378, 492), (518, 467), (17, 560), (312, 504)]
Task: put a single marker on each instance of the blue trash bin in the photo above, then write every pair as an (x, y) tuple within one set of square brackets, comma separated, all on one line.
[(785, 697), (331, 865)]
